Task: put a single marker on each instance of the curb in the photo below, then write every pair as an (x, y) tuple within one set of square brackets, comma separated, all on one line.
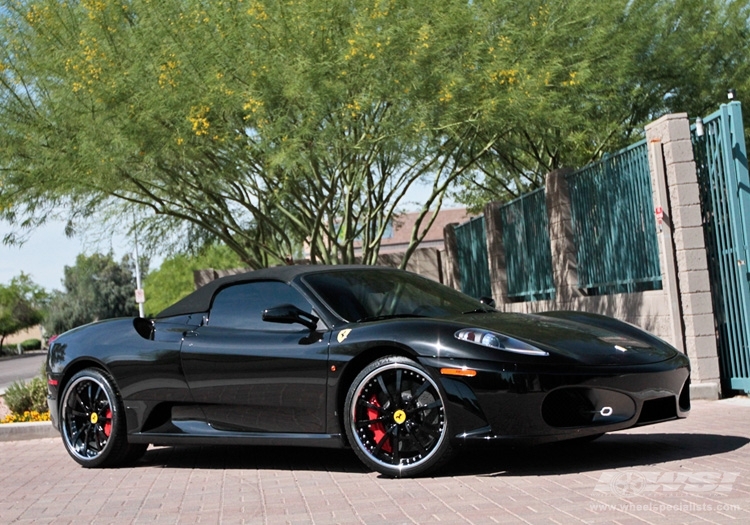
[(24, 431), (28, 353), (740, 401)]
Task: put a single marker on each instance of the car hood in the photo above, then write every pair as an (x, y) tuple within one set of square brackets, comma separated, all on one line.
[(584, 338)]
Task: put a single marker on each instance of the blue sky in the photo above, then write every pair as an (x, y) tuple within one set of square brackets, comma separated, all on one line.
[(43, 256), (46, 253)]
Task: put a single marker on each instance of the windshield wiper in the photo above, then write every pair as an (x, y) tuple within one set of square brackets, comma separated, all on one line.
[(389, 316)]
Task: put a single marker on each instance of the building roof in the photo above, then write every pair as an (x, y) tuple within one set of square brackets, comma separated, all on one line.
[(404, 223)]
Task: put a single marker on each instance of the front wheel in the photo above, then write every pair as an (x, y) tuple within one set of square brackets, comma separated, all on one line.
[(395, 418), (92, 421)]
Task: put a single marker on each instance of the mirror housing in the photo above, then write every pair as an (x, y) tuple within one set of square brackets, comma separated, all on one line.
[(290, 314), (489, 301)]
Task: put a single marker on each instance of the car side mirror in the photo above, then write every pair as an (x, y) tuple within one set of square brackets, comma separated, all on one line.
[(290, 314), (489, 301)]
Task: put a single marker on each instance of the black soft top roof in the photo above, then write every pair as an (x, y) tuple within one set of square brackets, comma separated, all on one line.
[(200, 300)]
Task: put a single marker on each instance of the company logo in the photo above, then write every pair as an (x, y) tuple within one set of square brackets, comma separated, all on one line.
[(635, 482), (343, 334)]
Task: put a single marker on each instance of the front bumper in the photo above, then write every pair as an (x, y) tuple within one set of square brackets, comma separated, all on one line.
[(544, 404)]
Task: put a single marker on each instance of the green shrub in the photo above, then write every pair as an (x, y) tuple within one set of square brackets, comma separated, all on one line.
[(31, 344), (21, 397)]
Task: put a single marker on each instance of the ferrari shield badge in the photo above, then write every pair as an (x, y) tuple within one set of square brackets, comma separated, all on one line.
[(343, 334)]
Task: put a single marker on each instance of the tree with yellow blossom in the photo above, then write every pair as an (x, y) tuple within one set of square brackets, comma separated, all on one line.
[(291, 126)]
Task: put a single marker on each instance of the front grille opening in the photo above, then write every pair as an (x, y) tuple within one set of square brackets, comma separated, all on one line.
[(579, 407), (659, 409), (568, 408)]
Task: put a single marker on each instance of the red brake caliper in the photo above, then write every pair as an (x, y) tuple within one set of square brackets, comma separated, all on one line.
[(108, 425), (378, 429)]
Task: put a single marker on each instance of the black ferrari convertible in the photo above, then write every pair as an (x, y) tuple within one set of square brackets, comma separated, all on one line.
[(398, 367)]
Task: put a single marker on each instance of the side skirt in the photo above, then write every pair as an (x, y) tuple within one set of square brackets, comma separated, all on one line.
[(200, 433)]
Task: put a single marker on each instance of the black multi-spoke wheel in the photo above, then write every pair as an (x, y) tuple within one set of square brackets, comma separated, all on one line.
[(395, 418), (91, 420)]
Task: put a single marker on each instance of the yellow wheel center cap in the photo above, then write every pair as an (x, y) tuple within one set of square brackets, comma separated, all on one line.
[(94, 418), (399, 416)]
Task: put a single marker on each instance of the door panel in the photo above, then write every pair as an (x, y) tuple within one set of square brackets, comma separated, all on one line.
[(251, 375), (258, 381)]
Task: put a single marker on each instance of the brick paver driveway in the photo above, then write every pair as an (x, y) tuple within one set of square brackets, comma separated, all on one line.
[(691, 471)]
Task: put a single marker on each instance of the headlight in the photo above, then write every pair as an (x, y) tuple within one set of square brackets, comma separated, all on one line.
[(501, 342)]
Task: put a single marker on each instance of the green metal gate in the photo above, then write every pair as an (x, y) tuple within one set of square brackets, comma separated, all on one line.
[(473, 266), (611, 206), (528, 259), (721, 158)]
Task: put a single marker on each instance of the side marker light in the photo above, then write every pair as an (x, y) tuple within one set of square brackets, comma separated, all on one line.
[(461, 372)]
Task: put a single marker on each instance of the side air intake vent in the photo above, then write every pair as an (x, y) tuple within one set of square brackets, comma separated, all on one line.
[(658, 410)]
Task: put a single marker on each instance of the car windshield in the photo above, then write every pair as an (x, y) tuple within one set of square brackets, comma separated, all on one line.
[(366, 295)]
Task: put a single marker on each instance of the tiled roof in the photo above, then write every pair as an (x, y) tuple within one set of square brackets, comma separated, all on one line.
[(404, 223)]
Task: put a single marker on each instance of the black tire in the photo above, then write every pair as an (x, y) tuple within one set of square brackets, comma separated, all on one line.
[(395, 418), (92, 420)]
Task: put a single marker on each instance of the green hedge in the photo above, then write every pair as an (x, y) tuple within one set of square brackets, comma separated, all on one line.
[(29, 344)]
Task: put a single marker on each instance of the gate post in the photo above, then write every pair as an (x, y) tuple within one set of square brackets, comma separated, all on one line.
[(562, 242), (451, 271), (496, 254), (682, 248)]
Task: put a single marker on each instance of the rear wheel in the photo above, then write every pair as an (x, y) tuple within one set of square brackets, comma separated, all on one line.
[(92, 421), (395, 418)]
